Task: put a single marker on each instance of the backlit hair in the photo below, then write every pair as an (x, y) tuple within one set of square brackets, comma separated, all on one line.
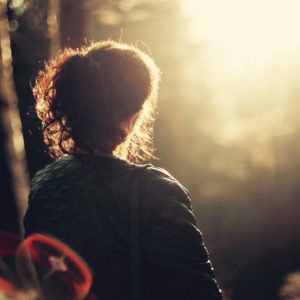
[(83, 97)]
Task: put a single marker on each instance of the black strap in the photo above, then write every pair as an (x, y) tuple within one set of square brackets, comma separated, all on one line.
[(134, 231)]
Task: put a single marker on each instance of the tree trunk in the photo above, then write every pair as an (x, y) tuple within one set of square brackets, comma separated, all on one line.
[(73, 23), (53, 26), (14, 176)]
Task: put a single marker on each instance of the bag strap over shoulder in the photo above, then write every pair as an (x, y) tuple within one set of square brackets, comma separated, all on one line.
[(135, 242)]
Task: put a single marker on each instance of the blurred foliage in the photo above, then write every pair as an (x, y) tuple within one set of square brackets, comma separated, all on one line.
[(232, 139)]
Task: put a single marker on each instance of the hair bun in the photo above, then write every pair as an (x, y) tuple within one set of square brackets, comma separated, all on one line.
[(78, 65), (84, 96), (78, 77)]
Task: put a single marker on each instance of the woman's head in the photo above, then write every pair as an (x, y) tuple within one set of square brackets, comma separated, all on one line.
[(100, 98)]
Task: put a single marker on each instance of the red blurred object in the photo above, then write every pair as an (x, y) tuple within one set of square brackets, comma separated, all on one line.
[(7, 288), (57, 260), (57, 257)]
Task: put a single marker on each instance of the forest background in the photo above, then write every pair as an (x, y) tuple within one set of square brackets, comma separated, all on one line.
[(228, 122)]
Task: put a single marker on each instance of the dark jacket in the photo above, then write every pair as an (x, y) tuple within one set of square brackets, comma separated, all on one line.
[(85, 203)]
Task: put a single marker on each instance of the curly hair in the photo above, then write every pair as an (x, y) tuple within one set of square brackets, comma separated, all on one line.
[(84, 96)]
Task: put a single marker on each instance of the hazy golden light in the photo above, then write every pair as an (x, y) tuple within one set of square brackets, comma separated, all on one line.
[(245, 31), (252, 57)]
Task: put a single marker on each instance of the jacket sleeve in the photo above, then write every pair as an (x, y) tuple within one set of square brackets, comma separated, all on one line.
[(176, 259)]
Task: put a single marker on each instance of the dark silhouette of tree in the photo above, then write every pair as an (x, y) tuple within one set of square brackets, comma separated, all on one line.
[(14, 179), (73, 22)]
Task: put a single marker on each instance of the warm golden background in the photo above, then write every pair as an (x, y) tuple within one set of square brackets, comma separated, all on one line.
[(229, 116)]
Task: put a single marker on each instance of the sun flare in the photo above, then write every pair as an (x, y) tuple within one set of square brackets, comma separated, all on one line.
[(246, 31), (253, 54)]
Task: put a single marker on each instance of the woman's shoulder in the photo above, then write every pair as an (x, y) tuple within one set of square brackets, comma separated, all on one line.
[(54, 170), (156, 182), (54, 177), (159, 182), (70, 166)]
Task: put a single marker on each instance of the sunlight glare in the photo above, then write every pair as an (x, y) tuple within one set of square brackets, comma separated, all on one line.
[(246, 31), (251, 50)]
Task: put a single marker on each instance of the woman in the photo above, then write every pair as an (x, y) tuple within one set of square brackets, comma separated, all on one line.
[(97, 107)]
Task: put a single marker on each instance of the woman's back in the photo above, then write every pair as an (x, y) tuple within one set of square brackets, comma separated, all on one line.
[(84, 201), (97, 104)]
